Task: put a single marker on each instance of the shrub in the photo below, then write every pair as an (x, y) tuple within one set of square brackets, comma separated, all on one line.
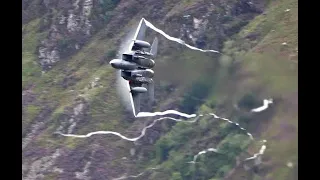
[(248, 101), (198, 90), (176, 176)]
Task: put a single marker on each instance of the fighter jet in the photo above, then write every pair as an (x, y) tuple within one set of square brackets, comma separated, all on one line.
[(135, 66)]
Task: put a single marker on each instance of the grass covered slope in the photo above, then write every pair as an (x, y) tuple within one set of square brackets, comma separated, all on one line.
[(78, 95), (260, 62)]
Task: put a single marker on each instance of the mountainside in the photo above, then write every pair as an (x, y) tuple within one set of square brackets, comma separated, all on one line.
[(68, 86)]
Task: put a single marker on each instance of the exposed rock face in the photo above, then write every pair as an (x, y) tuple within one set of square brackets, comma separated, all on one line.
[(68, 32), (38, 168), (73, 115), (29, 137), (36, 126), (27, 97), (47, 57), (216, 17), (83, 175)]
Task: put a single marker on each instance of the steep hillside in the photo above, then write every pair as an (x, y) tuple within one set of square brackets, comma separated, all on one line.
[(68, 86)]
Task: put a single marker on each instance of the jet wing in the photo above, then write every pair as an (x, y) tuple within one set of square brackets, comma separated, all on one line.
[(135, 97), (154, 47), (140, 32), (136, 102)]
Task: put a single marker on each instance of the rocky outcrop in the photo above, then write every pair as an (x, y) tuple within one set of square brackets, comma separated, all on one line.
[(69, 29), (72, 116), (38, 168), (222, 18), (38, 123)]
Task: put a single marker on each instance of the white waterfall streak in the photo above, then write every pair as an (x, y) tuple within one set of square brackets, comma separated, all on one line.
[(203, 152), (261, 152), (143, 132), (135, 176), (176, 39), (150, 114), (231, 122), (154, 122), (265, 105)]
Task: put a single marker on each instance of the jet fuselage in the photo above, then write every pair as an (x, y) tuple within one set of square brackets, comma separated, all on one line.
[(134, 62)]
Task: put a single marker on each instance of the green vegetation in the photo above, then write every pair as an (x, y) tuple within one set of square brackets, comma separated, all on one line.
[(248, 101), (198, 90), (266, 68), (103, 11), (78, 70), (51, 176), (32, 111), (30, 39), (254, 65), (172, 149), (176, 176)]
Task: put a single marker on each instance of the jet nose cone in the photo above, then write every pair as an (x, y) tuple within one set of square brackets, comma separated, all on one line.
[(113, 63)]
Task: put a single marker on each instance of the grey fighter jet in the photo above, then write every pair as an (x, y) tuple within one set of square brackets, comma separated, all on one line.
[(135, 66)]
